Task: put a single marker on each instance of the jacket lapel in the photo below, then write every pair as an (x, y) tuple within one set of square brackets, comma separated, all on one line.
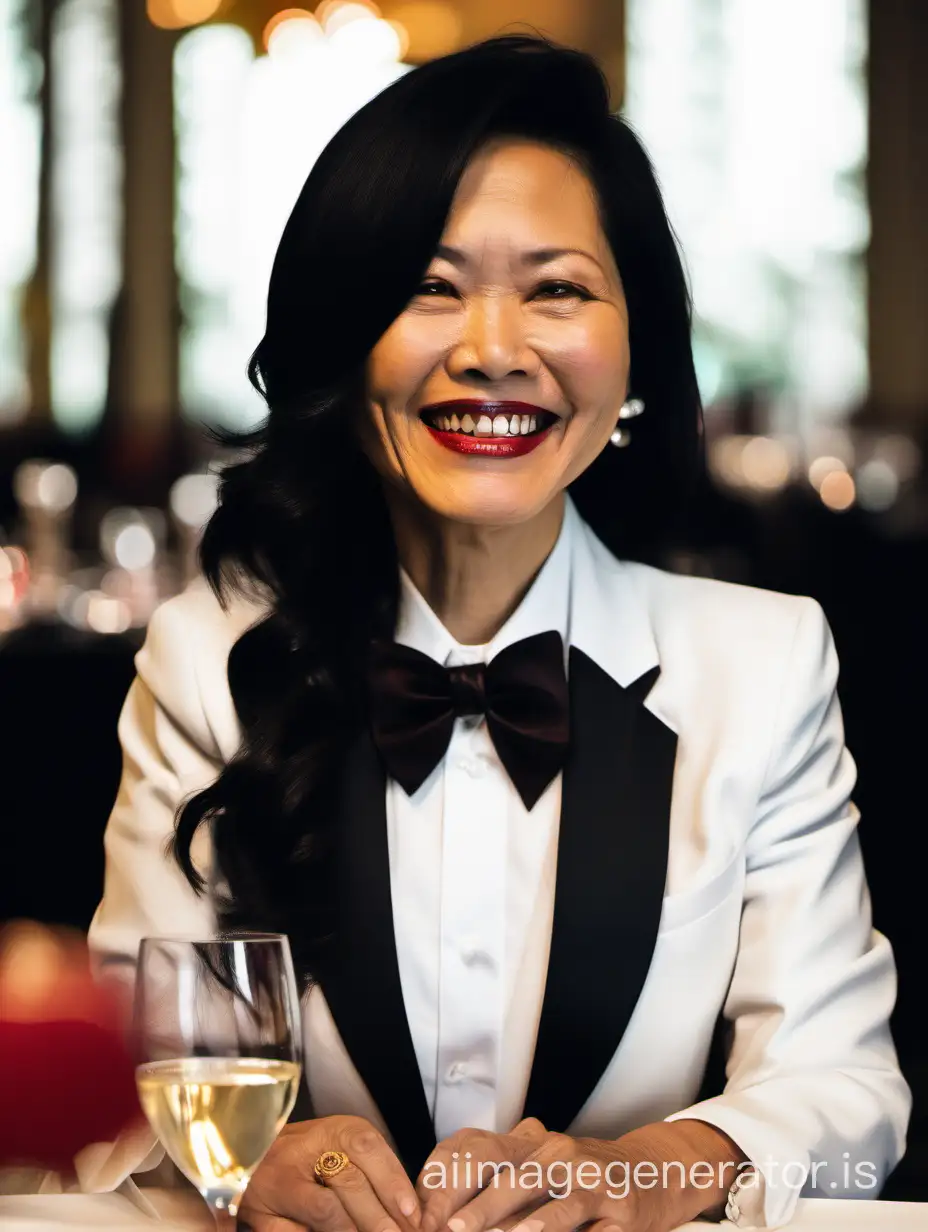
[(360, 976), (613, 836), (611, 869)]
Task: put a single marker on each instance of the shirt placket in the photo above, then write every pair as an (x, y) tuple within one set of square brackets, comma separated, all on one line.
[(472, 933)]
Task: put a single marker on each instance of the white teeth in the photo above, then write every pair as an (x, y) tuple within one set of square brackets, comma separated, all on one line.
[(485, 425)]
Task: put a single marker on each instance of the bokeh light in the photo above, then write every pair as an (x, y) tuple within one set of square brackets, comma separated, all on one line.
[(193, 499), (877, 485), (765, 464), (178, 14), (327, 10), (838, 491), (289, 24), (134, 547), (47, 486), (342, 13), (821, 468), (370, 42)]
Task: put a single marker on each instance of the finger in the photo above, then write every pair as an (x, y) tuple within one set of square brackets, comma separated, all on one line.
[(360, 1201), (500, 1190), (449, 1178), (458, 1169), (530, 1128), (295, 1198), (369, 1152), (566, 1214)]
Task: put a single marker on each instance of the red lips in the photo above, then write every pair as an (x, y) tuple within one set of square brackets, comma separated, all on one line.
[(487, 446)]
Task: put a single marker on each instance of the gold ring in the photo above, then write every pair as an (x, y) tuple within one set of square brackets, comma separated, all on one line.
[(329, 1164)]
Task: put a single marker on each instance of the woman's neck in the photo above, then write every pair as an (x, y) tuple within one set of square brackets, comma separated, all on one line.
[(472, 577)]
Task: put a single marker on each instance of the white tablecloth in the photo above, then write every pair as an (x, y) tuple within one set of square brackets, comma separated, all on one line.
[(179, 1212)]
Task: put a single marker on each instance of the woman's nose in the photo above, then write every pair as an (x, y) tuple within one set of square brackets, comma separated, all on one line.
[(493, 345)]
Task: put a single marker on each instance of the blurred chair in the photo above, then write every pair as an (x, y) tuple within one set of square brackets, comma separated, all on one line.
[(61, 692)]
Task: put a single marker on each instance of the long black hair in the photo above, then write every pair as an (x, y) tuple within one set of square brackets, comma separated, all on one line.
[(303, 514)]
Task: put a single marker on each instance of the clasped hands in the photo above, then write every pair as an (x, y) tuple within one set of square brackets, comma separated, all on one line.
[(528, 1180)]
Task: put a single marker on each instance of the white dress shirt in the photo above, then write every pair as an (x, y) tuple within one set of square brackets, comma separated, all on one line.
[(472, 873)]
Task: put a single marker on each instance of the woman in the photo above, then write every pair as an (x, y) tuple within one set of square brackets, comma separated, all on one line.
[(532, 815)]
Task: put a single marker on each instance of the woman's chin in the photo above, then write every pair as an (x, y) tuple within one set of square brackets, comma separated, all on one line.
[(492, 503)]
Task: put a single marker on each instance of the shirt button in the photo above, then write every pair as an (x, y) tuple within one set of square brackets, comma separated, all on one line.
[(475, 769), (472, 954), (456, 1072)]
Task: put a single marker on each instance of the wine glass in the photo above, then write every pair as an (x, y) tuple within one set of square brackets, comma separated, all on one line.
[(217, 1025)]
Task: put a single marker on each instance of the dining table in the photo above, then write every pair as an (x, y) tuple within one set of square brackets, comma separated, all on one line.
[(177, 1211)]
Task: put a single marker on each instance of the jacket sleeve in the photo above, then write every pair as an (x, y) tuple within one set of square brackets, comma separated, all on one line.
[(814, 1095), (168, 755)]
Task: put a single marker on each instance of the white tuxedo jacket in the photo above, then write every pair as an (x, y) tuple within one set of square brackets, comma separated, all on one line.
[(707, 863)]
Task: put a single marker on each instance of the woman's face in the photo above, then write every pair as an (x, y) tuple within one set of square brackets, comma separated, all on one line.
[(502, 379)]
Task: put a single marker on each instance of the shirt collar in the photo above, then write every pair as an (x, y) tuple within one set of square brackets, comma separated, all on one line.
[(545, 606)]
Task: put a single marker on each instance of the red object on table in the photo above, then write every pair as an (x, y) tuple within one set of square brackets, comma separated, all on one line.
[(67, 1078)]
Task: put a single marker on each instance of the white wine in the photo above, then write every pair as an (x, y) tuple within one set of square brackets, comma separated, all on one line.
[(217, 1116)]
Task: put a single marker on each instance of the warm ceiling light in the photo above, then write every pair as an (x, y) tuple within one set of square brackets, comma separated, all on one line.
[(343, 12), (402, 35), (368, 42), (178, 14), (280, 19), (327, 9), (434, 29)]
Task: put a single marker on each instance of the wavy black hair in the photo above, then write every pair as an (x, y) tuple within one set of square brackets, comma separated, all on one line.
[(303, 515)]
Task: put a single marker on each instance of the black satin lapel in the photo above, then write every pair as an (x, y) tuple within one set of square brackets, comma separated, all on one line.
[(360, 975), (611, 870)]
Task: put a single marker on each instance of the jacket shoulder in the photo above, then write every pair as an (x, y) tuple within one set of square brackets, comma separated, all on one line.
[(197, 618), (184, 662), (735, 619)]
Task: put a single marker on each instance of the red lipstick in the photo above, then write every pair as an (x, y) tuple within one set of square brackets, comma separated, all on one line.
[(533, 424)]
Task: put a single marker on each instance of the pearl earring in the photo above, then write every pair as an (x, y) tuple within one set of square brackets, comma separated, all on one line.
[(630, 409)]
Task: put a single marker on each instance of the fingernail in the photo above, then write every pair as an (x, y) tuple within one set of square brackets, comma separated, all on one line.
[(530, 1225), (408, 1205), (457, 1225)]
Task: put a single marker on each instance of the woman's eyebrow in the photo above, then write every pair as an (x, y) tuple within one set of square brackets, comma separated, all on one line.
[(535, 256)]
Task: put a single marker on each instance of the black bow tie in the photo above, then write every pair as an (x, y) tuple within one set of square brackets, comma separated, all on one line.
[(523, 694)]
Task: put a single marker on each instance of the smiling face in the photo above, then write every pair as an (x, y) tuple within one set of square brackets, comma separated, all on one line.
[(502, 379)]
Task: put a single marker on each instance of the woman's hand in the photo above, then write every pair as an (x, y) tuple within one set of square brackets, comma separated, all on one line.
[(650, 1180), (460, 1165), (373, 1194)]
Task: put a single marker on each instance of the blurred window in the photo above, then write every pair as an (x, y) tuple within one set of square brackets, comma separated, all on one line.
[(249, 130), (20, 153), (86, 195), (756, 118)]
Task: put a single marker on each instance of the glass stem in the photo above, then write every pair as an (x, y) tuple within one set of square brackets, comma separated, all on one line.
[(223, 1218)]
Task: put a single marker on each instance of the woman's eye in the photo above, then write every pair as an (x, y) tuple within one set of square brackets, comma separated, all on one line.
[(435, 288), (560, 290)]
